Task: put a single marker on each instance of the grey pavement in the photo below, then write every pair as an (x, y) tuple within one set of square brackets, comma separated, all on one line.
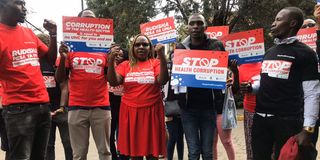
[(237, 138)]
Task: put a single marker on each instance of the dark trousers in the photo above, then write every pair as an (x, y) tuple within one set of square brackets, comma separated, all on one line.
[(199, 127), (271, 133), (61, 121), (115, 107), (175, 130), (28, 127)]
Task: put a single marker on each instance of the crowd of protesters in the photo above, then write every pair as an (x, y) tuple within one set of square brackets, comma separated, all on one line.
[(119, 95)]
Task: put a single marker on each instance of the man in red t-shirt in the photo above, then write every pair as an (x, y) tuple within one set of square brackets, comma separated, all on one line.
[(89, 105), (25, 99)]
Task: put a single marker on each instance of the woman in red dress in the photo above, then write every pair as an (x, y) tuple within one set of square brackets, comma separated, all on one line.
[(141, 119)]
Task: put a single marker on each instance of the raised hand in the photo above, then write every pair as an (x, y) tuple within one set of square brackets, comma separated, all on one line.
[(50, 26), (63, 50)]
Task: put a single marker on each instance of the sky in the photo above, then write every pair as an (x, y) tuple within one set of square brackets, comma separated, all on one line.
[(38, 10)]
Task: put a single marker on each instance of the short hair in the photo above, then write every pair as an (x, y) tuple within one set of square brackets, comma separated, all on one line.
[(80, 13), (296, 13), (200, 15)]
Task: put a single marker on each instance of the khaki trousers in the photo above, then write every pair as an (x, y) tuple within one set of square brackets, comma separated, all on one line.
[(80, 122)]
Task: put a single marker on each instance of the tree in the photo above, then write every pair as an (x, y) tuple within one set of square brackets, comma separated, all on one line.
[(127, 15)]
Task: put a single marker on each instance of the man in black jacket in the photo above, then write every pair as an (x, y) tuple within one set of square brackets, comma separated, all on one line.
[(288, 96), (198, 104)]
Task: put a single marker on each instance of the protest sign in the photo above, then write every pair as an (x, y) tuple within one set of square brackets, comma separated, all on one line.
[(308, 36), (246, 47), (199, 68), (87, 34), (161, 31), (216, 32)]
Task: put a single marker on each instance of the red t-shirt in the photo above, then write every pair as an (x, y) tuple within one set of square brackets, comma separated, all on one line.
[(249, 73), (140, 88), (1, 89), (20, 73), (88, 81)]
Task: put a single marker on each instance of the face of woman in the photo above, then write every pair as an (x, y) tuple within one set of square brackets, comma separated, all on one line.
[(141, 48)]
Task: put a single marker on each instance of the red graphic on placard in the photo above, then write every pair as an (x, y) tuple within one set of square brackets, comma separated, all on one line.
[(216, 32), (157, 27), (200, 58), (308, 36), (245, 38), (87, 26)]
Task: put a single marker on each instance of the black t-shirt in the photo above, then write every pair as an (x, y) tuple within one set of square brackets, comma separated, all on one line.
[(284, 68), (52, 86)]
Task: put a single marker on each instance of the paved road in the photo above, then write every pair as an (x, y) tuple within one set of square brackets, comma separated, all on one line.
[(237, 137)]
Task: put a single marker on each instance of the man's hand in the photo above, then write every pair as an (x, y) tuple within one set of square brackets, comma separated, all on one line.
[(306, 147), (63, 50), (50, 26), (245, 87), (60, 110)]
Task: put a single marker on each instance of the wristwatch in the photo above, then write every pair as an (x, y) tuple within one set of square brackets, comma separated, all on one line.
[(308, 129)]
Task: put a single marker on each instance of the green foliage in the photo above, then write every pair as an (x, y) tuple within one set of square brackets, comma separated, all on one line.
[(127, 16)]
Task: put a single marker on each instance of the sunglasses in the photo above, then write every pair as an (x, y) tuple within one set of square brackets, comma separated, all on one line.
[(309, 25), (139, 44)]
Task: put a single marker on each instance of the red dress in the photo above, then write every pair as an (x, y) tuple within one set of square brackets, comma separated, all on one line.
[(141, 119)]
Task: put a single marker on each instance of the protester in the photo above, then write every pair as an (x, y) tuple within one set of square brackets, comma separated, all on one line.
[(197, 107), (246, 74), (58, 112), (316, 14), (224, 134), (308, 23), (141, 119), (173, 122), (88, 102), (25, 99), (115, 94), (289, 84), (3, 132)]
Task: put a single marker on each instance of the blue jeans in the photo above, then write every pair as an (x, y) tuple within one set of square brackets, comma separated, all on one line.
[(61, 121), (199, 126), (175, 136), (28, 127)]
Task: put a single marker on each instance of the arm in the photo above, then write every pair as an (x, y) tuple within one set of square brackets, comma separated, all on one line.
[(164, 75), (311, 90), (61, 72), (51, 27), (114, 79), (235, 71)]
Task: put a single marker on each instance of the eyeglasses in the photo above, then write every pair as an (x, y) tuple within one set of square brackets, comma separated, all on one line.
[(309, 25), (139, 44)]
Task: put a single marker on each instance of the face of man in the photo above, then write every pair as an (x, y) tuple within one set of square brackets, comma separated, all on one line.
[(196, 26), (88, 13), (282, 25), (14, 10), (308, 23)]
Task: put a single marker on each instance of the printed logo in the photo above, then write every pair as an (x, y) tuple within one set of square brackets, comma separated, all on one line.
[(276, 68), (22, 57), (141, 77), (90, 65), (49, 81)]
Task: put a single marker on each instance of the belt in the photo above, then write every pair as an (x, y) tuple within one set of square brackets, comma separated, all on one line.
[(265, 114), (19, 106)]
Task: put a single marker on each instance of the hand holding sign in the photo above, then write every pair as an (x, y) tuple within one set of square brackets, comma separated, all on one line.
[(63, 50)]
